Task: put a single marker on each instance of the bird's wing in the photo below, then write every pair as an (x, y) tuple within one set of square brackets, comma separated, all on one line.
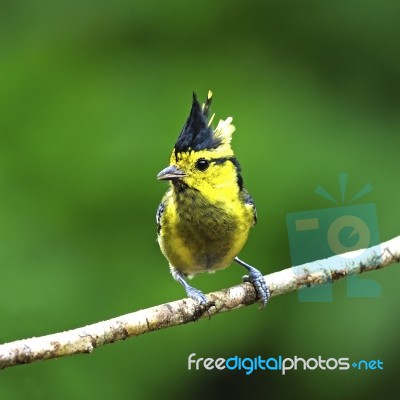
[(249, 201), (160, 211)]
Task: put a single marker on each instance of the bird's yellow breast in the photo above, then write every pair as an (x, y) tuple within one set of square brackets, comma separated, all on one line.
[(203, 231)]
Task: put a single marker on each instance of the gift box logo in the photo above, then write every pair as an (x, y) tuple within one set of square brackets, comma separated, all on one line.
[(322, 233)]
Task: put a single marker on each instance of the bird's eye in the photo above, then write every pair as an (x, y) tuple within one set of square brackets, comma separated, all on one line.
[(202, 164)]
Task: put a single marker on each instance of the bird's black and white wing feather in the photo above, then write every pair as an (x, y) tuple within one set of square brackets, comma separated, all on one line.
[(160, 211), (249, 200)]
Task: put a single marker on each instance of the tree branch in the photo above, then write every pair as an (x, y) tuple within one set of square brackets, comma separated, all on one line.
[(85, 339)]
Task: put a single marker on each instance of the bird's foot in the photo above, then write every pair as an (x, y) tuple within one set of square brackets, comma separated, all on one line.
[(203, 306), (196, 295), (256, 278)]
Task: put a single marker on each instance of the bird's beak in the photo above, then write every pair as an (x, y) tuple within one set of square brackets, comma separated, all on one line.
[(171, 172)]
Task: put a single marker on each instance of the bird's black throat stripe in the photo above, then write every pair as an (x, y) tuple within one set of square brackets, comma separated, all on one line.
[(180, 186)]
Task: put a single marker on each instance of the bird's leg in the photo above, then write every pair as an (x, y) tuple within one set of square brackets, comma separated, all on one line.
[(256, 278), (191, 292)]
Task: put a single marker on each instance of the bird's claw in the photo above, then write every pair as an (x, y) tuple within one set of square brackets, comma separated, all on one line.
[(204, 305), (257, 280), (197, 295)]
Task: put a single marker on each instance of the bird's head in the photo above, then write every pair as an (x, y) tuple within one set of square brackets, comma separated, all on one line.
[(202, 157)]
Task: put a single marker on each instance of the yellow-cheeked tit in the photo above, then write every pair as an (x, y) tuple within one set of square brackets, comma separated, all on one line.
[(204, 219)]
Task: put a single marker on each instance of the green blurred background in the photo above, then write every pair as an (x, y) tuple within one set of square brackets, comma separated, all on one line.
[(93, 95)]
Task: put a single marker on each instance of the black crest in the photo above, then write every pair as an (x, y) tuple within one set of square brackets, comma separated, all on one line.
[(196, 134)]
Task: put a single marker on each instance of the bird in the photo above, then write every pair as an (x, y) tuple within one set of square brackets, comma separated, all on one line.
[(204, 218)]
